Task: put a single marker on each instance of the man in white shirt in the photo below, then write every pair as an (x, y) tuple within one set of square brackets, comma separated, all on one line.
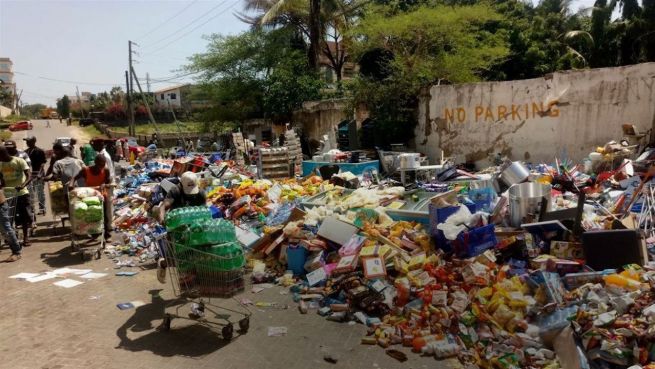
[(98, 145)]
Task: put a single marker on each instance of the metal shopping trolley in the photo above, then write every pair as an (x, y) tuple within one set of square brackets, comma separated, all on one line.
[(87, 225), (58, 203), (201, 273), (37, 205), (11, 198)]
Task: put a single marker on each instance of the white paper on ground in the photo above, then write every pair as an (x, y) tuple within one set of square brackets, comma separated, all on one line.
[(68, 283), (277, 331), (24, 275), (67, 270), (137, 303), (41, 277), (93, 275)]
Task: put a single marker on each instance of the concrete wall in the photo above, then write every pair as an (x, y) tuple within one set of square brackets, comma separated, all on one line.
[(4, 111), (563, 114), (318, 117)]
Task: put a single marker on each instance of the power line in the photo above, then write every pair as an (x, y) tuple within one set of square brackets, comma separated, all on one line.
[(167, 20), (195, 28), (168, 78), (66, 81), (189, 24)]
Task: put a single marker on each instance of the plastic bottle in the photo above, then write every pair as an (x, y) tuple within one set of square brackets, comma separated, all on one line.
[(623, 282)]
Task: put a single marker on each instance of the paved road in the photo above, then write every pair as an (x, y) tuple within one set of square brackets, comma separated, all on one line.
[(49, 327), (45, 136)]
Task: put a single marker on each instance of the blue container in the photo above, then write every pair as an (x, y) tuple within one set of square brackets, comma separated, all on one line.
[(475, 242), (217, 213), (296, 258)]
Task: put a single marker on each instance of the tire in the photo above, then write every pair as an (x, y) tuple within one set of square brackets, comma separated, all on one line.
[(244, 325), (227, 332)]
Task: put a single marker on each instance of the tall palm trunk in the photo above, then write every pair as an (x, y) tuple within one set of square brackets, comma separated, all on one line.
[(314, 33)]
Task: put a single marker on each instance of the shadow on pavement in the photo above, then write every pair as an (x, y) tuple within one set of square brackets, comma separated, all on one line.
[(61, 258), (193, 340)]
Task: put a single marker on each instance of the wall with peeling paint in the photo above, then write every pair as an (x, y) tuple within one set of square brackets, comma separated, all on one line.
[(565, 114)]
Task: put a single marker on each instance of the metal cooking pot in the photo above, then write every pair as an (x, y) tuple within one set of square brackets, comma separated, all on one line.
[(514, 173), (525, 202)]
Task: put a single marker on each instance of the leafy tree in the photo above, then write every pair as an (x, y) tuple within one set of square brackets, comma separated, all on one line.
[(6, 97), (325, 29), (420, 47), (116, 94), (256, 74), (64, 106), (32, 110)]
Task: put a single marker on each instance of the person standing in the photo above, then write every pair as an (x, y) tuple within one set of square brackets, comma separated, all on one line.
[(98, 145), (73, 142), (88, 154), (97, 176), (47, 123), (16, 173), (13, 151), (38, 160), (6, 229)]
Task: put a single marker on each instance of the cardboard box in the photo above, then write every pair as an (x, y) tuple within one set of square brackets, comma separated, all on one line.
[(336, 230), (566, 250)]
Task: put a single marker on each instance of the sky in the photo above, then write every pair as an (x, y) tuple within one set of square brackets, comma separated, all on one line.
[(57, 46), (85, 42)]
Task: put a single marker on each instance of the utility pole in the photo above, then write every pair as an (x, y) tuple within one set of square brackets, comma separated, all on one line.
[(130, 88), (129, 99), (148, 82), (79, 101), (145, 101)]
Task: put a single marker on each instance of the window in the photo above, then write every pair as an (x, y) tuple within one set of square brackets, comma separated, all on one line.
[(161, 96), (173, 96)]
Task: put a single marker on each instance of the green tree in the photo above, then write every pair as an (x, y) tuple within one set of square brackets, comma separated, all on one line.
[(255, 74), (32, 110), (64, 106), (6, 97), (424, 45), (330, 24)]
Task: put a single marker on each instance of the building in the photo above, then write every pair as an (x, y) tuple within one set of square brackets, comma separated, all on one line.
[(178, 97), (170, 97), (7, 78), (84, 101), (337, 51)]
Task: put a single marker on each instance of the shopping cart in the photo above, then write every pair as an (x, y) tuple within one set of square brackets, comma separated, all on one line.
[(11, 198), (87, 235), (58, 194), (36, 183), (199, 274)]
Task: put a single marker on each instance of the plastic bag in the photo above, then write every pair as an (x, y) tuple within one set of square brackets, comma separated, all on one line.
[(92, 200)]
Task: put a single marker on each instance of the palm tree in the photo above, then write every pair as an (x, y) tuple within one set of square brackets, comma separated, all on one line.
[(333, 19)]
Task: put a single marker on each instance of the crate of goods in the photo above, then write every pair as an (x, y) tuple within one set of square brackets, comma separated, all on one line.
[(274, 163)]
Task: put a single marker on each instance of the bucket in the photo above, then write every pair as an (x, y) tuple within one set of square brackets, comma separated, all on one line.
[(515, 173), (525, 202)]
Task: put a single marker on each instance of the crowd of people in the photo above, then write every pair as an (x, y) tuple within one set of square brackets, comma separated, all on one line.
[(22, 178)]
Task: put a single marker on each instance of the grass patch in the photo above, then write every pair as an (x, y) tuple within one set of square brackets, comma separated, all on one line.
[(5, 135), (148, 129), (92, 131), (14, 118)]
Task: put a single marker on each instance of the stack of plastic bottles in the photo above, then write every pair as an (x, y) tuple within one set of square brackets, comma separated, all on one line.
[(188, 216)]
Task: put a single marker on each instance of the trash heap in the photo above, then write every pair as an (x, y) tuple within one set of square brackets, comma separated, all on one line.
[(516, 266)]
